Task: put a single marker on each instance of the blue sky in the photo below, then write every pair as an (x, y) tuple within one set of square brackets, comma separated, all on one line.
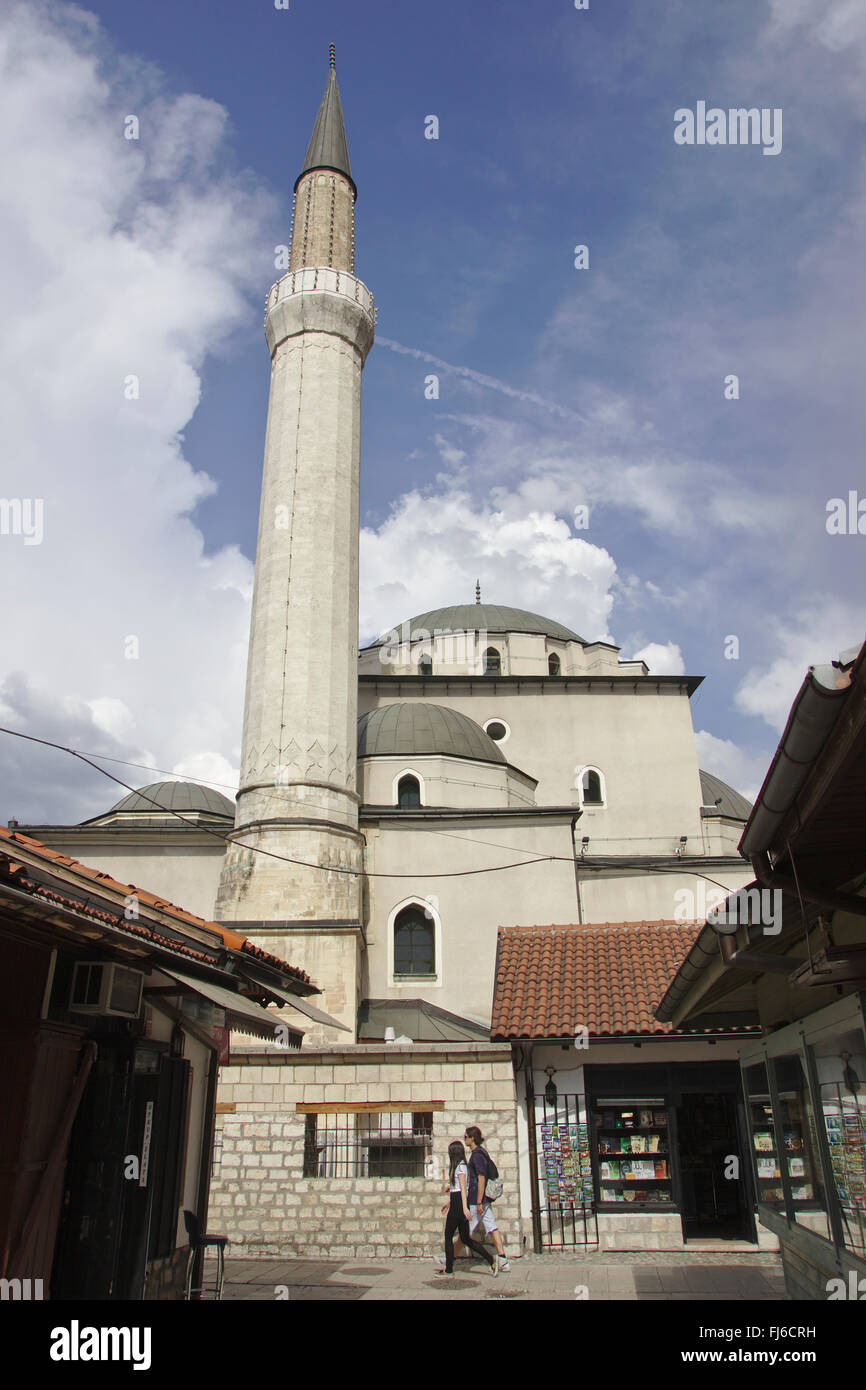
[(558, 386)]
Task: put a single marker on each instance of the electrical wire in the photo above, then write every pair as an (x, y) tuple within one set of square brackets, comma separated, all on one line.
[(337, 869)]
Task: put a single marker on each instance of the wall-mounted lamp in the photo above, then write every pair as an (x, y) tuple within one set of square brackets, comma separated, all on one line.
[(584, 844), (684, 839), (550, 1088)]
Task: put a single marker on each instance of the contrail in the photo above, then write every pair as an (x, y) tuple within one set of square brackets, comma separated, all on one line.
[(490, 382)]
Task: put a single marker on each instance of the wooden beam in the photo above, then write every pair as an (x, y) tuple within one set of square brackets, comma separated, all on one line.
[(225, 1107), (368, 1107)]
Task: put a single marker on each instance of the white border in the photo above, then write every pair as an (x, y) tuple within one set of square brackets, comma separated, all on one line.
[(408, 772), (495, 719), (416, 982)]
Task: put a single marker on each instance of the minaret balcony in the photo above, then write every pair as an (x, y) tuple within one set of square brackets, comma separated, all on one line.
[(323, 278)]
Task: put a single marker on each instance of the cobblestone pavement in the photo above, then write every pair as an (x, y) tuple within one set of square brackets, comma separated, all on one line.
[(651, 1275)]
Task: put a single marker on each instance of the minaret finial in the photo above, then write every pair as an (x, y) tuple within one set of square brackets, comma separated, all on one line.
[(478, 591), (333, 56)]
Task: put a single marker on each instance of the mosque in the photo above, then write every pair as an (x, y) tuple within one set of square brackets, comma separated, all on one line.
[(477, 772)]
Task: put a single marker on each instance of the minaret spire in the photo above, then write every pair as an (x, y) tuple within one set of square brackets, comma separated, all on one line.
[(323, 220)]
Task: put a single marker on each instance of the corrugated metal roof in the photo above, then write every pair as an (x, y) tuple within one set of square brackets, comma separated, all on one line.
[(404, 729)]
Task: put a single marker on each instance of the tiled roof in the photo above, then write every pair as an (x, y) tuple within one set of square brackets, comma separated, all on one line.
[(552, 980), (232, 940)]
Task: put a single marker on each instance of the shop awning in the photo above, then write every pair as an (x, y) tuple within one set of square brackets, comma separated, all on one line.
[(240, 1012), (303, 1006)]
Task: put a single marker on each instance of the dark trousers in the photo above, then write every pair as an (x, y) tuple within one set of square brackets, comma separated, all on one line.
[(456, 1221)]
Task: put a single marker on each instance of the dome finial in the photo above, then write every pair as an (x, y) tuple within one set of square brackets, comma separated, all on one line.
[(478, 591), (333, 55)]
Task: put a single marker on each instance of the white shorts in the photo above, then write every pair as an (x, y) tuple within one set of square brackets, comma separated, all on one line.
[(487, 1219)]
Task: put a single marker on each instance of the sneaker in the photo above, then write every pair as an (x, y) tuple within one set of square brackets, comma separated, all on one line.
[(446, 1273), (503, 1263)]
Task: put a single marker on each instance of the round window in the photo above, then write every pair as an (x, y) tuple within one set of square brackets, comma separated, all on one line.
[(496, 730)]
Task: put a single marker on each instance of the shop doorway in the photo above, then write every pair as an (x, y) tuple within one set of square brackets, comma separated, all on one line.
[(713, 1184)]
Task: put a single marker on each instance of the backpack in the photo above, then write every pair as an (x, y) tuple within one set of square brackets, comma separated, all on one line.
[(493, 1185)]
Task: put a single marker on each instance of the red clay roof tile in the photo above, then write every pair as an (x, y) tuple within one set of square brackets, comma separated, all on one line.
[(552, 980)]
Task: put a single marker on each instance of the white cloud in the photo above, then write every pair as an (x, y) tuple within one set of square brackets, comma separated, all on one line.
[(816, 637), (663, 659), (118, 259), (741, 769), (441, 543)]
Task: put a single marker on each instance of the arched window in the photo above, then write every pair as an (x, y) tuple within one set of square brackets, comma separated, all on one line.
[(553, 665), (591, 790), (408, 793), (492, 662), (414, 942), (425, 666)]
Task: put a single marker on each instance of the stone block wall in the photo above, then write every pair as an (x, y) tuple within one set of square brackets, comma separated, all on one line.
[(259, 1195)]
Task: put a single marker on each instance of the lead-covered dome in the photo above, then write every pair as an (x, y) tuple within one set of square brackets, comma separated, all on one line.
[(174, 796), (478, 617), (404, 729)]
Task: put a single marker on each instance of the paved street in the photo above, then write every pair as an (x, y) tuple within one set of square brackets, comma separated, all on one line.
[(719, 1277)]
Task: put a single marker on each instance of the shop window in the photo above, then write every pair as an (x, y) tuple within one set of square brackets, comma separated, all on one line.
[(840, 1064), (798, 1153), (766, 1150), (492, 662), (408, 793), (367, 1144), (414, 943), (554, 667), (633, 1152)]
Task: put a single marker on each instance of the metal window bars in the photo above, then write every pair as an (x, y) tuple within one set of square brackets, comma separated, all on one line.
[(367, 1144)]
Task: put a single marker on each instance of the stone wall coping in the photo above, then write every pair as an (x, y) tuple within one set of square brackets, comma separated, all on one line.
[(367, 1052)]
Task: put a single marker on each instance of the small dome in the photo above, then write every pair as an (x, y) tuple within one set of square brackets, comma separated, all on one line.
[(175, 796), (482, 617), (730, 803), (404, 729)]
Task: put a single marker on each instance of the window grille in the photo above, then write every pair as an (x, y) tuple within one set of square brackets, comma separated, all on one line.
[(492, 662), (390, 1144)]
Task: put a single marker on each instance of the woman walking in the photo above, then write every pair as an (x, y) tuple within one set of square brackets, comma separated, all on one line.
[(457, 1211)]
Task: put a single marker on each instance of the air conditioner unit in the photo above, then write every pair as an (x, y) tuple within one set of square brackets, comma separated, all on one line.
[(102, 987)]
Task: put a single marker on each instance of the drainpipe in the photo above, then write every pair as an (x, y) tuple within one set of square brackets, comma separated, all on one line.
[(533, 1152), (574, 821)]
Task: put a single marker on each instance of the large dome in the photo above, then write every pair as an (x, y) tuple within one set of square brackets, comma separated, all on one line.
[(175, 796), (486, 617), (715, 792), (404, 729)]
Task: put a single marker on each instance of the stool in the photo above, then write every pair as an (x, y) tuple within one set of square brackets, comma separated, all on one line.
[(197, 1242)]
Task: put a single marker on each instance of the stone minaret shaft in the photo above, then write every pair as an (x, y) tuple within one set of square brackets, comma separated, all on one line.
[(297, 796)]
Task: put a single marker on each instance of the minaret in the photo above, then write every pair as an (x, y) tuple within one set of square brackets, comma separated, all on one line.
[(297, 796)]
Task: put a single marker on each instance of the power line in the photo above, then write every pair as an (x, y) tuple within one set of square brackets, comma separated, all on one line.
[(336, 869)]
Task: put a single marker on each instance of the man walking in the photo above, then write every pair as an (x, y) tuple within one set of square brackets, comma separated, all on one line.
[(481, 1211)]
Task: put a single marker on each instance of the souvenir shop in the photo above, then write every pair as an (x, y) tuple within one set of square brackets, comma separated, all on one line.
[(639, 1156)]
